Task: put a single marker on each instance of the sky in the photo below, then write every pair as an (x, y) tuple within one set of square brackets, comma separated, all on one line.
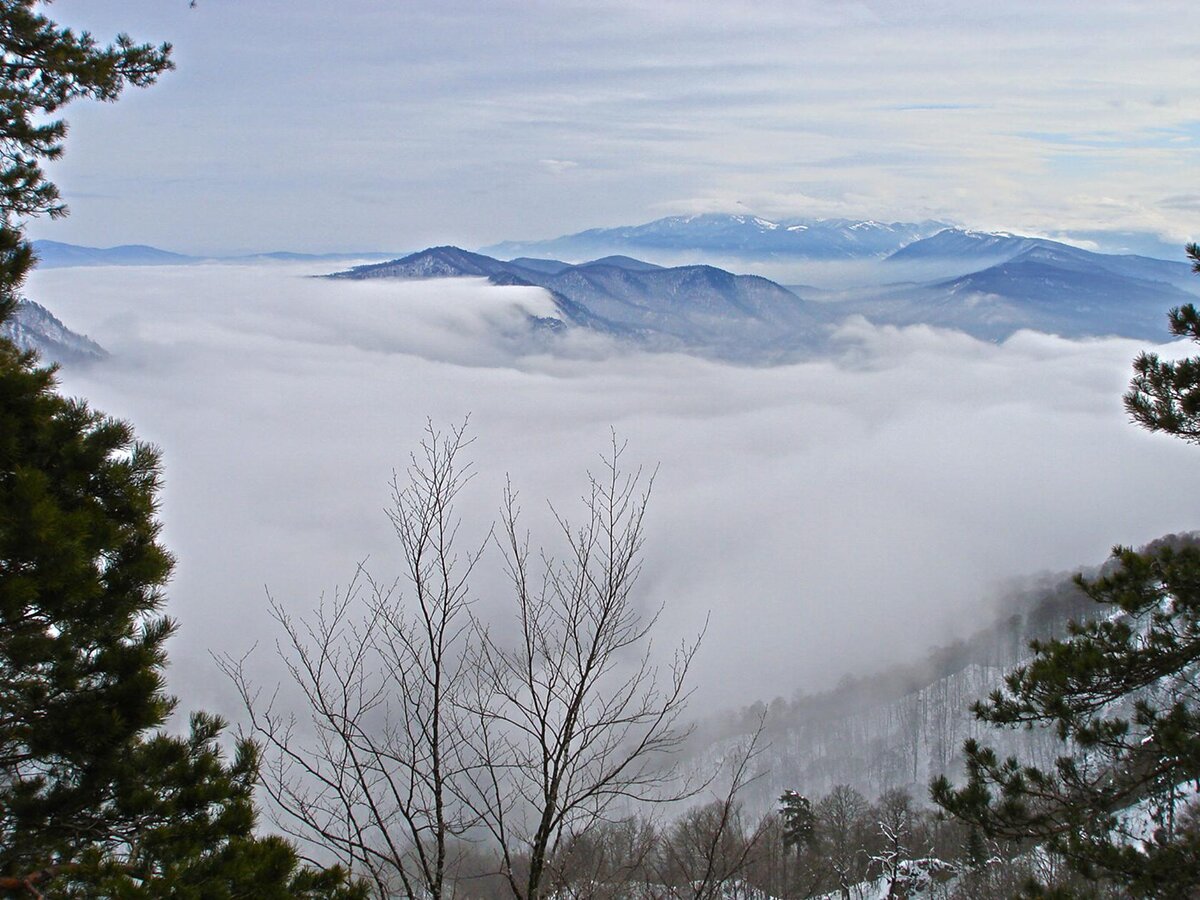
[(825, 517), (372, 125)]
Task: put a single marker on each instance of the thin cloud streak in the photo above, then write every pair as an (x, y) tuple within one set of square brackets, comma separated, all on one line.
[(439, 118)]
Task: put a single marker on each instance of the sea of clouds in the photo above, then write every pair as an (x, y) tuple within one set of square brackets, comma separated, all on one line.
[(827, 516)]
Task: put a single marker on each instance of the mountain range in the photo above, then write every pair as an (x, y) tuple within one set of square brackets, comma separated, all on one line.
[(740, 236), (1029, 283), (57, 255), (987, 284), (681, 307), (1012, 283)]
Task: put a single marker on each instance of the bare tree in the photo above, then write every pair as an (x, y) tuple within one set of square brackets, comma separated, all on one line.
[(707, 852), (895, 814), (369, 771), (602, 861), (421, 726), (573, 717), (842, 825)]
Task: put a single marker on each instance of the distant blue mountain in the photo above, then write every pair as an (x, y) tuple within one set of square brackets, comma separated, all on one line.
[(291, 256), (549, 266), (57, 255), (436, 262), (1026, 283), (739, 236), (1036, 284), (624, 262), (54, 255), (988, 284), (684, 307), (980, 248)]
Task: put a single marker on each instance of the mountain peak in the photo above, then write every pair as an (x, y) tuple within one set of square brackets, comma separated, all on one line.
[(699, 307), (435, 262), (731, 235)]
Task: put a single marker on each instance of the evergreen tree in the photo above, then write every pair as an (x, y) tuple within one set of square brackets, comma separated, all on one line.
[(92, 799), (1122, 693), (1164, 395), (797, 814), (95, 799)]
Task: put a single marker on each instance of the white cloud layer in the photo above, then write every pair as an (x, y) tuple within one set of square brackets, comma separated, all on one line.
[(831, 515)]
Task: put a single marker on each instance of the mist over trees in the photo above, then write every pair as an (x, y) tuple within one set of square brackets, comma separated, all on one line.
[(425, 733), (1120, 692)]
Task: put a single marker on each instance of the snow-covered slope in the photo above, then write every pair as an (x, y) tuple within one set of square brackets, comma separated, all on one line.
[(33, 327), (734, 236), (902, 727), (979, 247)]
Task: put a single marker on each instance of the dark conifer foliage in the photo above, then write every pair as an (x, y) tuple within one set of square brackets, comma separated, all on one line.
[(1121, 692), (1165, 395), (81, 574), (796, 812), (96, 800)]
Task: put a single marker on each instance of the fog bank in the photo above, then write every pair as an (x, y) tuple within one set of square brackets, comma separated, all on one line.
[(831, 515)]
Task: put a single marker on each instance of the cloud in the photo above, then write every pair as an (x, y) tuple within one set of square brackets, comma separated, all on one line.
[(421, 123), (558, 166), (831, 515), (1186, 202)]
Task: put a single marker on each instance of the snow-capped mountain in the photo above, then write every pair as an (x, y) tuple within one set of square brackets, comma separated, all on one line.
[(983, 247), (725, 235), (979, 249)]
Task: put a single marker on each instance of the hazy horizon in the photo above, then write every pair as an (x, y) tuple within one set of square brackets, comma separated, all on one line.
[(370, 125)]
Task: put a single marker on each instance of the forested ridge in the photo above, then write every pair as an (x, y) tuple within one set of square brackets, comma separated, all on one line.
[(903, 725)]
